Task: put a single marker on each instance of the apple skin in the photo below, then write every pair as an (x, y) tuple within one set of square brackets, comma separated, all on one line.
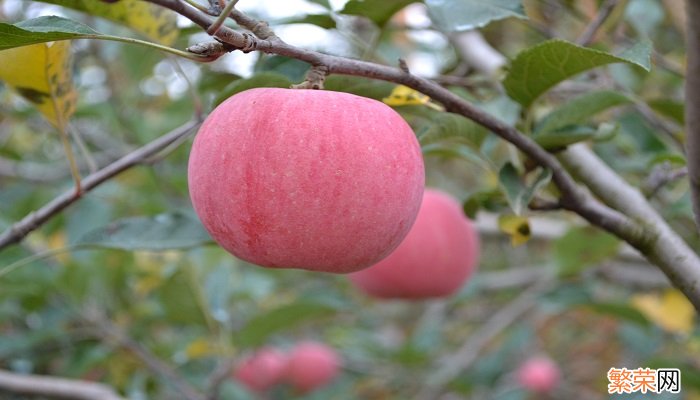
[(262, 370), (317, 180), (538, 374), (311, 365), (439, 254)]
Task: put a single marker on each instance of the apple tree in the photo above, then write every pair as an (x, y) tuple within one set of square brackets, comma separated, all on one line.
[(544, 149)]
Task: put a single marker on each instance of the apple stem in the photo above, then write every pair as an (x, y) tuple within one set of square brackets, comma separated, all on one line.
[(314, 78)]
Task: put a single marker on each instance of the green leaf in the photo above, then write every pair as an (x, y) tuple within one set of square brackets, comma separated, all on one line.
[(463, 15), (323, 20), (491, 200), (454, 150), (675, 110), (518, 193), (177, 298), (580, 109), (583, 247), (379, 11), (152, 21), (639, 55), (576, 133), (567, 136), (452, 126), (258, 329), (263, 79), (539, 68), (620, 311), (295, 70), (42, 30), (322, 3), (371, 88), (161, 232)]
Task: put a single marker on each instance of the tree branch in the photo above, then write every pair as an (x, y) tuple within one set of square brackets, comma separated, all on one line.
[(58, 388), (29, 223), (451, 366), (603, 13), (108, 331), (692, 103), (663, 246)]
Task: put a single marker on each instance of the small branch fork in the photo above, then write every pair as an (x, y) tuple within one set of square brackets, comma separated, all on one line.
[(573, 197), (19, 230)]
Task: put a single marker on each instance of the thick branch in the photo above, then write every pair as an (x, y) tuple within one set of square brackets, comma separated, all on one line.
[(57, 388), (692, 103), (19, 230), (665, 248)]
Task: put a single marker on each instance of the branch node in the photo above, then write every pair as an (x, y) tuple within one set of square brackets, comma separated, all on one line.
[(403, 66), (250, 43), (210, 50), (314, 78), (262, 30)]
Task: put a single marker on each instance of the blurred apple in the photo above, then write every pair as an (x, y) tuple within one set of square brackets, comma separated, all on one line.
[(262, 370), (538, 374), (312, 365), (435, 260)]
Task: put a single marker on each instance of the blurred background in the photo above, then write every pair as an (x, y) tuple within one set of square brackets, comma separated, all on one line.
[(79, 302)]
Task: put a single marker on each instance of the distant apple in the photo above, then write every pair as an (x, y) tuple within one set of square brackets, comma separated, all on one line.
[(312, 365), (538, 374), (311, 179), (262, 370), (436, 258)]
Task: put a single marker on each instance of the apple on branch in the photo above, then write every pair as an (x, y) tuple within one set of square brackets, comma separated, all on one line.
[(310, 179)]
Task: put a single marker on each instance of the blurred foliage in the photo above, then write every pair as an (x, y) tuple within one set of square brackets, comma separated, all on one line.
[(131, 252)]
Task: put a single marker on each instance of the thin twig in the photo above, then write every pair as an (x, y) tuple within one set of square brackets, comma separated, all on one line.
[(108, 331), (40, 172), (35, 219), (47, 386), (603, 13), (660, 176), (78, 139), (222, 372), (452, 365), (221, 18)]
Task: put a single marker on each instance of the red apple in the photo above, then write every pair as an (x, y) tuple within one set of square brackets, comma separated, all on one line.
[(310, 179), (439, 254), (262, 370), (312, 365), (538, 374)]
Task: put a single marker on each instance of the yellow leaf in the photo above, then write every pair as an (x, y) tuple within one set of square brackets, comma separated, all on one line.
[(150, 20), (200, 348), (58, 241), (672, 311), (146, 284), (517, 227), (41, 73), (405, 96)]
